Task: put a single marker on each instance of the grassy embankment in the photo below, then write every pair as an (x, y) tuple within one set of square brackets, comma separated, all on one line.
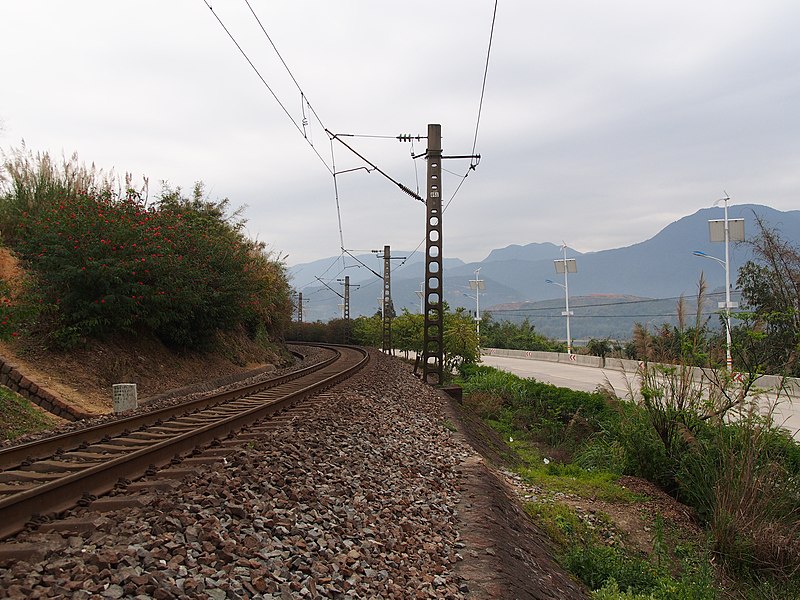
[(740, 481), (19, 416)]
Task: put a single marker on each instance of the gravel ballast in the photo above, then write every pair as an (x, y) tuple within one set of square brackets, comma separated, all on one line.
[(363, 497)]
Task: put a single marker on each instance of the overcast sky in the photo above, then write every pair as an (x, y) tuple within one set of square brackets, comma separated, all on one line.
[(602, 122)]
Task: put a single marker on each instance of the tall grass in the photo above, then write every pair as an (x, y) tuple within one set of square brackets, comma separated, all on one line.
[(715, 450), (743, 478), (32, 181)]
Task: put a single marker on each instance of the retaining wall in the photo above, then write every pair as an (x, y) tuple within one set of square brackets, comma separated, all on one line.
[(12, 378), (628, 366)]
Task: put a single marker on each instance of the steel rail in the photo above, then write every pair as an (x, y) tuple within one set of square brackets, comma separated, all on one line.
[(55, 496), (15, 456)]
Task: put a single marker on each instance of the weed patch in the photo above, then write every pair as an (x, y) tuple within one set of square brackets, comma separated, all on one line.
[(741, 477), (18, 416), (572, 479)]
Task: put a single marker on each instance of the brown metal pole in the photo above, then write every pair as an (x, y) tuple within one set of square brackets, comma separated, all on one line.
[(433, 341), (300, 308), (387, 300)]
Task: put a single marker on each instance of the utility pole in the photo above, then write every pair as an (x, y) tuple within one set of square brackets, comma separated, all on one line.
[(478, 285), (300, 301), (346, 312), (387, 300), (433, 318), (421, 295), (345, 308), (345, 305), (433, 338), (300, 307), (566, 266), (387, 310)]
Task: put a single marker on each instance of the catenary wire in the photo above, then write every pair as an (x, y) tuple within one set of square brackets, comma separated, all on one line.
[(264, 81), (301, 128), (305, 101), (338, 207), (288, 70), (608, 303), (485, 74)]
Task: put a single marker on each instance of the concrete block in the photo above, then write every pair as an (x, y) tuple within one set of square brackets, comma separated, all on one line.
[(124, 396)]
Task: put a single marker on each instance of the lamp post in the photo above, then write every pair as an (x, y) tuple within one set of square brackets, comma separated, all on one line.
[(421, 295), (565, 265), (478, 285), (561, 285), (725, 230)]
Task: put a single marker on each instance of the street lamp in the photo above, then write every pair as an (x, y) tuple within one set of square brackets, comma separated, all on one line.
[(421, 295), (725, 230), (566, 265), (478, 285)]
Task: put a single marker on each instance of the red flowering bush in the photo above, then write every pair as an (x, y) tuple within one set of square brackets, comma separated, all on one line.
[(180, 267)]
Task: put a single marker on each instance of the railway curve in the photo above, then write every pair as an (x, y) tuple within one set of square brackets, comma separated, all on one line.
[(53, 474)]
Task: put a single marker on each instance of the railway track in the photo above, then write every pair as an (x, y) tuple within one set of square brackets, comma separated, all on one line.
[(54, 474)]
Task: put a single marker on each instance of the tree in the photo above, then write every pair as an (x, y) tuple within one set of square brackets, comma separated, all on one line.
[(408, 332), (523, 336), (461, 344), (368, 331), (769, 338), (103, 262), (599, 348)]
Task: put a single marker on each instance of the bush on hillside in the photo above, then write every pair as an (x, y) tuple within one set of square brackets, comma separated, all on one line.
[(107, 262)]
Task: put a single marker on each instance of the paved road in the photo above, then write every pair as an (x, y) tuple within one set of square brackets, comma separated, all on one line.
[(575, 377), (587, 379)]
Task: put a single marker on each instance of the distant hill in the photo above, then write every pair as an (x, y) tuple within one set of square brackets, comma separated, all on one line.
[(660, 267), (529, 252)]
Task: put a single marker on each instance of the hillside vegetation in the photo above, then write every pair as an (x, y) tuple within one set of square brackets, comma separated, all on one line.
[(103, 259), (738, 480)]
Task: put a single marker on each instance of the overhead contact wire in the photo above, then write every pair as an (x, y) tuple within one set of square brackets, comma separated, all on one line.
[(480, 109), (264, 81), (338, 209), (288, 70), (485, 76), (305, 102)]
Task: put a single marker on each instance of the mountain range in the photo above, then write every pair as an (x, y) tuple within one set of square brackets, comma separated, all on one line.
[(662, 267)]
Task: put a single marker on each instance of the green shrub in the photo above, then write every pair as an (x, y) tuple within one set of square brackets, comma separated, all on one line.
[(601, 453), (484, 404), (665, 589), (596, 565), (558, 416), (560, 522), (740, 479), (642, 448), (106, 263), (17, 310)]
